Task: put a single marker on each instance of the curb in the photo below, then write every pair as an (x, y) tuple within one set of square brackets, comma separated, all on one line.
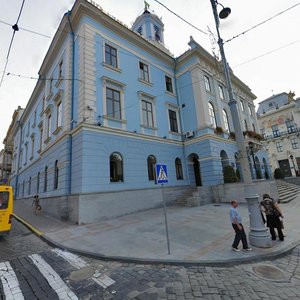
[(149, 261)]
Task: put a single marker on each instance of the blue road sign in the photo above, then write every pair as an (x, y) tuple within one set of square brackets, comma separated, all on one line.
[(161, 173)]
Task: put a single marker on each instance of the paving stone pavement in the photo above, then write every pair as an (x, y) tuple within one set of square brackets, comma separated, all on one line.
[(147, 282)]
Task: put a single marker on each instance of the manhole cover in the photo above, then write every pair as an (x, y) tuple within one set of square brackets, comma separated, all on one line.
[(269, 272), (82, 274)]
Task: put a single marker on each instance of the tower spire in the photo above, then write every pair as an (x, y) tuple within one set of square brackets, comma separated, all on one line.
[(147, 5)]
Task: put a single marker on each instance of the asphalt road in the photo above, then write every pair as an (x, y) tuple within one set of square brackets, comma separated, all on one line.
[(30, 269)]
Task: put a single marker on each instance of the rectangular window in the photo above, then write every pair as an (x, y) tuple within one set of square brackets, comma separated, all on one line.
[(294, 143), (32, 147), (169, 84), (276, 132), (279, 147), (147, 112), (144, 72), (290, 126), (34, 118), (49, 129), (263, 133), (207, 83), (173, 120), (113, 103), (60, 69), (4, 198), (242, 104), (221, 93), (41, 139), (250, 110), (51, 86), (111, 56), (26, 153), (59, 115)]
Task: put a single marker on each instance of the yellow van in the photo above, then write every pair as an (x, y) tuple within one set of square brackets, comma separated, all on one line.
[(6, 209)]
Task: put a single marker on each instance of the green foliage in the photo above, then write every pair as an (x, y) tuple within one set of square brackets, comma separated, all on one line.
[(238, 174), (267, 174), (278, 174), (258, 174), (229, 174)]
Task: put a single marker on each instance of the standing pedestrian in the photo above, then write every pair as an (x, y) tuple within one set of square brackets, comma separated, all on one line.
[(273, 215), (236, 221)]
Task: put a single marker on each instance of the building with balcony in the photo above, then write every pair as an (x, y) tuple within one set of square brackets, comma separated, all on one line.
[(110, 103), (279, 119)]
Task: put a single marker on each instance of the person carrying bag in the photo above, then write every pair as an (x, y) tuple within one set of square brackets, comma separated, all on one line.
[(273, 215)]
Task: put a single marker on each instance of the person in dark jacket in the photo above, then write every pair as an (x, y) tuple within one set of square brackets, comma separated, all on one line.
[(273, 214)]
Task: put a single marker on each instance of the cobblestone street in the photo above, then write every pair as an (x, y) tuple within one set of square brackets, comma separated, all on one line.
[(37, 271)]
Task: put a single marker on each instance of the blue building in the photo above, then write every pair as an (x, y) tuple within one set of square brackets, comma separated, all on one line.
[(110, 103)]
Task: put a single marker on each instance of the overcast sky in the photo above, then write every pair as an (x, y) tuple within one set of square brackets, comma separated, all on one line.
[(276, 72)]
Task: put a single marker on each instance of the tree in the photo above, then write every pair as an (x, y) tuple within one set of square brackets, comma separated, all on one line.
[(229, 174), (238, 174), (278, 174)]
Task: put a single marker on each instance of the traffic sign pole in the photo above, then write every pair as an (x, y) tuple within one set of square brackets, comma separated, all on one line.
[(166, 220)]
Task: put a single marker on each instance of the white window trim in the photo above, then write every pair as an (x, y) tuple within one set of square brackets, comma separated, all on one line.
[(151, 99), (210, 83), (171, 106), (120, 87), (107, 65), (149, 73), (227, 118), (173, 86)]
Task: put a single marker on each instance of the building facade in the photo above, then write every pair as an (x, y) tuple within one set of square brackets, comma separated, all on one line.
[(279, 118), (110, 103)]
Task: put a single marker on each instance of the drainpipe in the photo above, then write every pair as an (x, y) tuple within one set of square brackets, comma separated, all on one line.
[(72, 106), (181, 121), (18, 164)]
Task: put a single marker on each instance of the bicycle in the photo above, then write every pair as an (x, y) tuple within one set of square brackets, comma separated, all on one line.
[(36, 204)]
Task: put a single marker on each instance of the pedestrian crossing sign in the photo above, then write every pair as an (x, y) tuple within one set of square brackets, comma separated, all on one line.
[(161, 173)]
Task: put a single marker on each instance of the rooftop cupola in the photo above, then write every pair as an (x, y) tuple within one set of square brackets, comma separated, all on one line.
[(149, 26)]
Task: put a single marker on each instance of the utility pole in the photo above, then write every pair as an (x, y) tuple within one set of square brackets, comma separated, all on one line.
[(258, 236)]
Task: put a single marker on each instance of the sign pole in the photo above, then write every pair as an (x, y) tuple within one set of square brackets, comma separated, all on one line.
[(166, 220)]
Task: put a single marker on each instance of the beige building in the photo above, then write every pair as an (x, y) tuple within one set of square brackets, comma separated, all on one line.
[(279, 123)]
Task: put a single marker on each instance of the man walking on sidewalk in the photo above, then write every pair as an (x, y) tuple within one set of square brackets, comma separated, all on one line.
[(236, 221)]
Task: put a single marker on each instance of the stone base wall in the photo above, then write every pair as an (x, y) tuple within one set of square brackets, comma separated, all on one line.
[(236, 191), (293, 180), (91, 208)]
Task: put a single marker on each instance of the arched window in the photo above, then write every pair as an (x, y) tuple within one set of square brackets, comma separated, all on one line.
[(116, 167), (178, 167), (224, 159), (56, 173), (45, 179), (211, 112), (38, 183), (151, 161), (225, 119)]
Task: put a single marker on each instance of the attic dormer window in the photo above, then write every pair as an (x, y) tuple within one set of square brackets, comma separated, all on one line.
[(157, 33), (140, 30)]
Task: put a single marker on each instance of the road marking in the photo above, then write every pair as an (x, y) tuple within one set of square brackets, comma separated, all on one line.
[(71, 258), (78, 263), (61, 289), (10, 282)]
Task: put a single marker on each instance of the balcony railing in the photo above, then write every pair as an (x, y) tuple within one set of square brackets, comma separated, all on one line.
[(282, 134)]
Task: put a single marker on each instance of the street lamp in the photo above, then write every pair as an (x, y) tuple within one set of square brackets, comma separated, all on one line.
[(258, 236)]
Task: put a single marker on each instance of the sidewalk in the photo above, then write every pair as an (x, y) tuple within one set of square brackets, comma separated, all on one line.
[(200, 235)]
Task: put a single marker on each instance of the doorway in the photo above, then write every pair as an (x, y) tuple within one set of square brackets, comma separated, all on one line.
[(284, 165), (194, 170)]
